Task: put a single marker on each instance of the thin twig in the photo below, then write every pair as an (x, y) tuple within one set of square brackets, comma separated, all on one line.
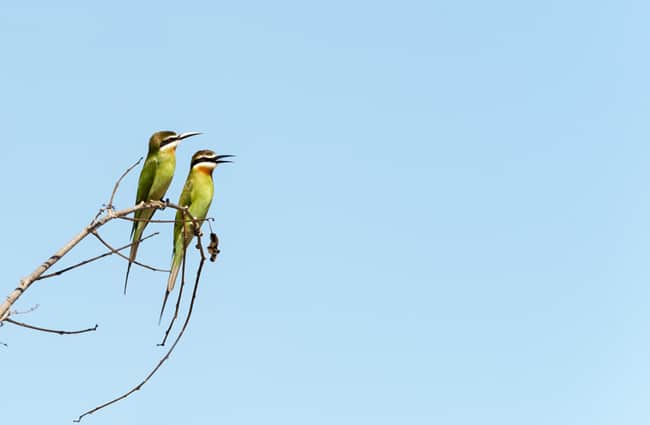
[(101, 211), (180, 289), (109, 206), (166, 356), (117, 183), (189, 220), (90, 260), (115, 251), (29, 310), (54, 331), (27, 281), (107, 213)]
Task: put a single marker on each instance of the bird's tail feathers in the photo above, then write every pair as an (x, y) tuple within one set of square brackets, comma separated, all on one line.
[(173, 275), (162, 310), (126, 279), (132, 254)]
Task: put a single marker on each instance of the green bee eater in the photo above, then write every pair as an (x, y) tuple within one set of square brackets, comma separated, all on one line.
[(155, 178), (197, 196)]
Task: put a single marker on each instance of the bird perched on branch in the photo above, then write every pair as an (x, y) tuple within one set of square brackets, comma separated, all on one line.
[(197, 197), (155, 178)]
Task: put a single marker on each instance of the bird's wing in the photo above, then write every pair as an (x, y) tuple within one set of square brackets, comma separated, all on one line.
[(144, 186), (184, 201), (146, 179)]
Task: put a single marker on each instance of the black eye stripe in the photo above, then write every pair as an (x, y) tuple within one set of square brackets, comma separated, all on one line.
[(204, 159), (166, 142)]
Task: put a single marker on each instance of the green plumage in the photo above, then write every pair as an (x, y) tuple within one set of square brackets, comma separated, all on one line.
[(156, 176), (197, 196)]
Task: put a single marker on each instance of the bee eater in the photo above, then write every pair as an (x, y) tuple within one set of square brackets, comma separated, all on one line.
[(155, 178), (197, 196)]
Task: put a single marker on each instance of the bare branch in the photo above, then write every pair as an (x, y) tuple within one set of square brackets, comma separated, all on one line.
[(54, 331), (109, 206), (29, 310), (163, 221), (90, 260), (27, 281), (106, 214), (117, 183), (169, 352), (116, 251), (180, 289)]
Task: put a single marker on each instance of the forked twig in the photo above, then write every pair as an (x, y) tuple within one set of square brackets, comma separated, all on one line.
[(90, 260), (106, 214), (116, 251), (180, 289), (54, 331), (97, 222), (26, 282), (166, 356)]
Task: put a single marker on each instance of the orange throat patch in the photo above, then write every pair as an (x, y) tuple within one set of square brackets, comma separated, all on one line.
[(205, 168)]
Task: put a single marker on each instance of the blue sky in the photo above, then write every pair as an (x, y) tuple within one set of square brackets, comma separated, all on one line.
[(439, 211)]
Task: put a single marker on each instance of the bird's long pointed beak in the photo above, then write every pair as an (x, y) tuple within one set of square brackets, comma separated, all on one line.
[(219, 159), (188, 134)]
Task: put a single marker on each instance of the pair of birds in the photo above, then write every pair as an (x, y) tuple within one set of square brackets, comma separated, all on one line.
[(155, 178)]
